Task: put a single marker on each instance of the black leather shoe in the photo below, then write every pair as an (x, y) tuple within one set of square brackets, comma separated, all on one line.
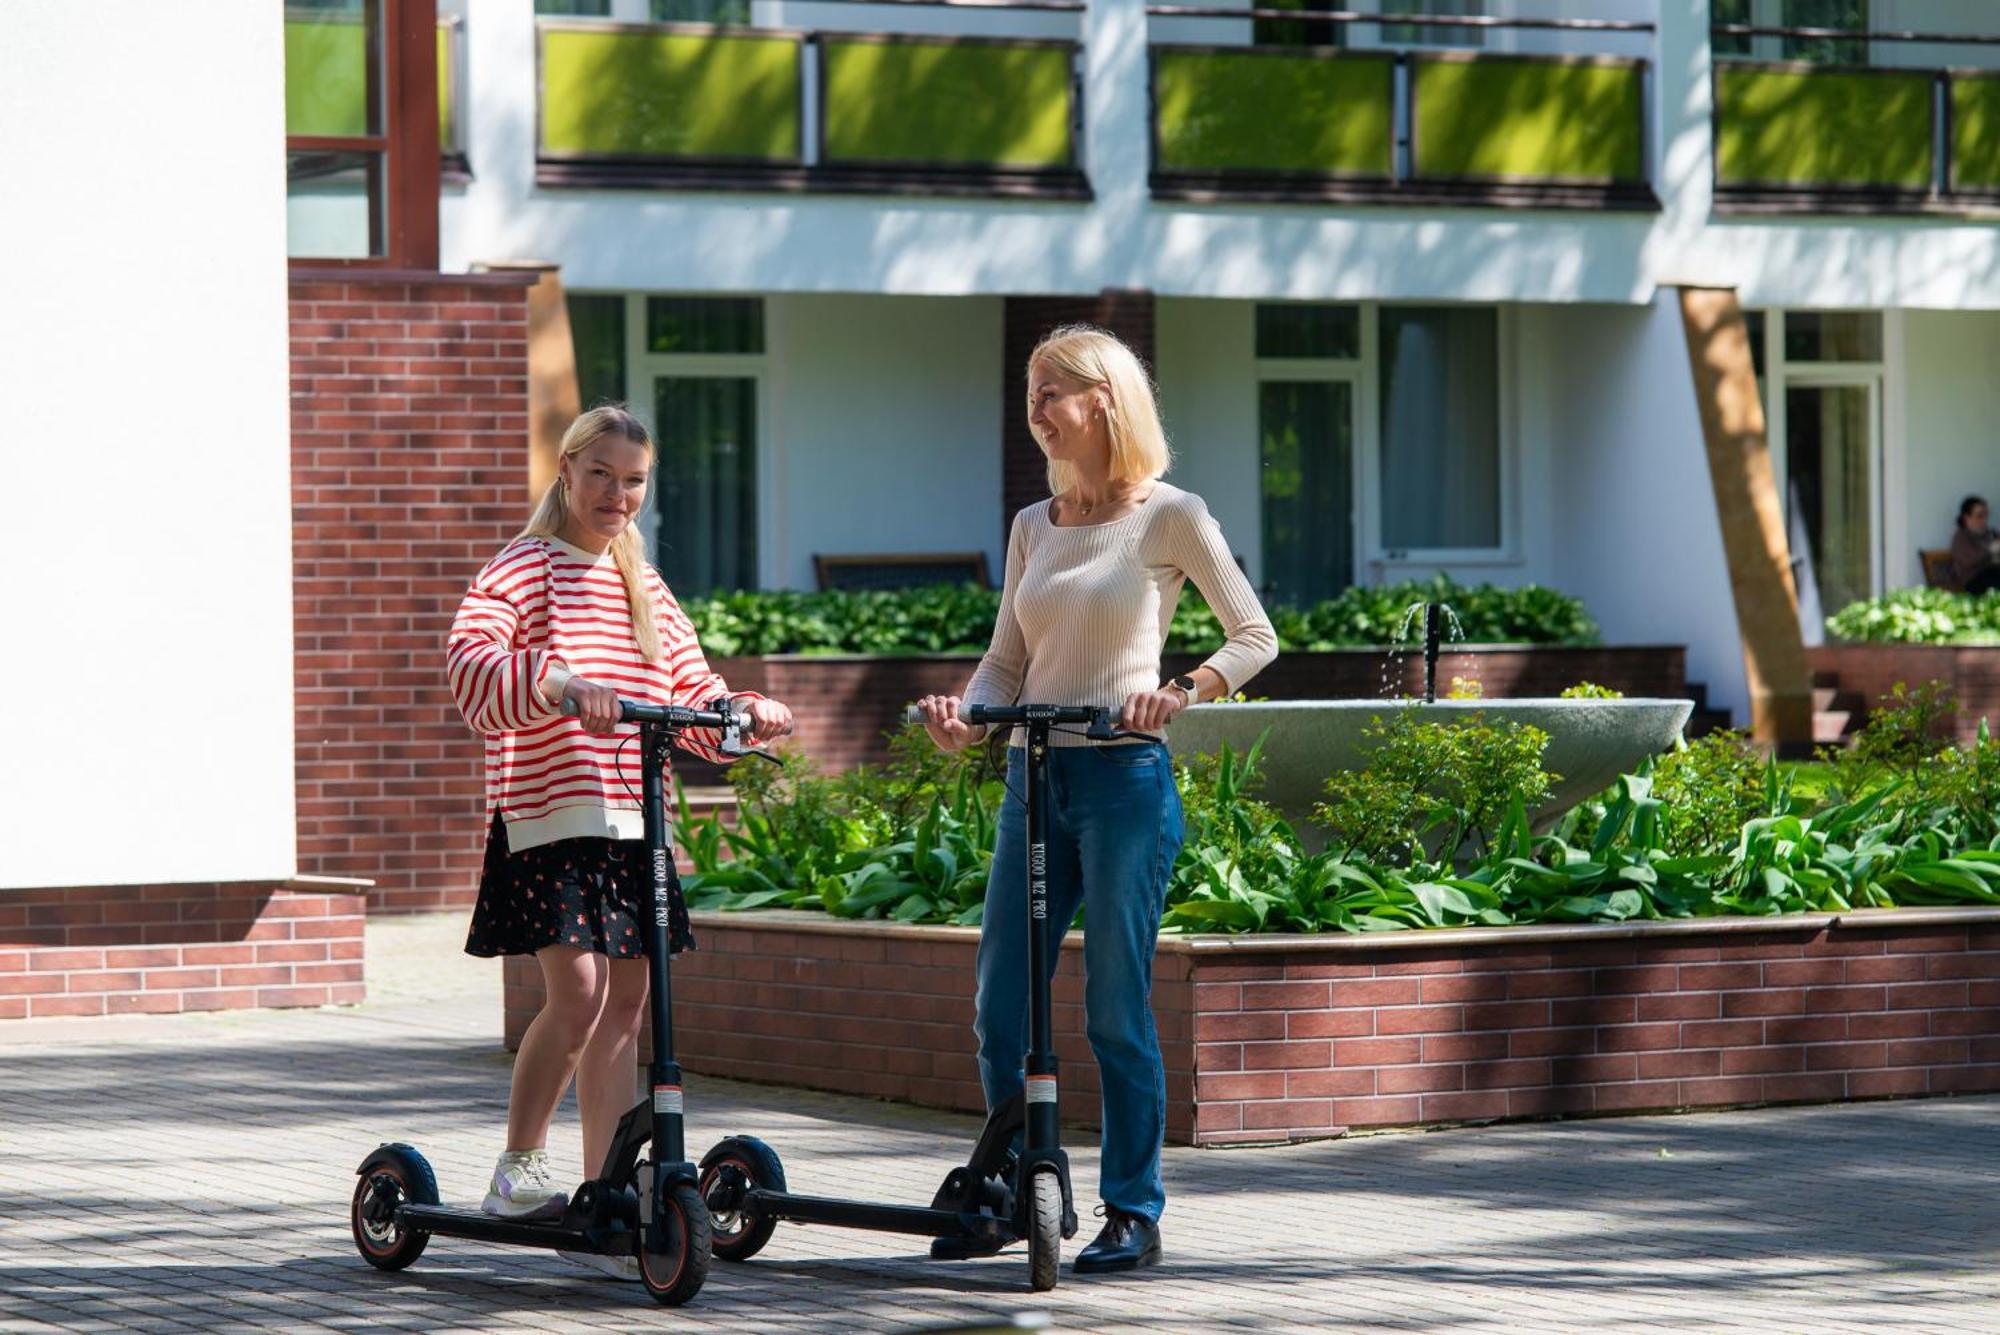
[(1126, 1242), (962, 1249)]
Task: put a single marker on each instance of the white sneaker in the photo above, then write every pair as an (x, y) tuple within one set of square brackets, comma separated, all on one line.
[(617, 1267), (522, 1187)]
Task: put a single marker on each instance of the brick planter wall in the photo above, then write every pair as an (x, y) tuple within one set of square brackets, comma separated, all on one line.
[(120, 950), (846, 704), (1274, 1038), (878, 1009), (409, 471), (1872, 671)]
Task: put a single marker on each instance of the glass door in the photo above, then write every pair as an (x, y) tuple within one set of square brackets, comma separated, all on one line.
[(705, 486), (1307, 431), (1833, 485)]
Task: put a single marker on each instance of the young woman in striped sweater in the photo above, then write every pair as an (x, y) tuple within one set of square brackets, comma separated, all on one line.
[(570, 610), (1093, 575)]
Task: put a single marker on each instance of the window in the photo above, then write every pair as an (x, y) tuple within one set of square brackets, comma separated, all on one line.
[(1730, 12), (1440, 440), (1433, 34), (1845, 15), (585, 9), (1308, 488), (1298, 32), (335, 147), (1841, 15), (1379, 440), (361, 134), (1308, 330), (1833, 336), (701, 376), (706, 537), (701, 11), (597, 331), (704, 324)]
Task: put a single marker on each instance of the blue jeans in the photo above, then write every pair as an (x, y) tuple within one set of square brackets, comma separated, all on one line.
[(1113, 830)]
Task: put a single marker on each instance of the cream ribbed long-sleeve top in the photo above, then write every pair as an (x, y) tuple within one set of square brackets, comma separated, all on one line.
[(1084, 611)]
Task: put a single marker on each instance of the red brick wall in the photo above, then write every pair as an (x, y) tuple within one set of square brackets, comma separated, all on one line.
[(872, 1009), (1321, 1036), (1315, 1043), (1872, 671), (1023, 470), (119, 950), (846, 705), (409, 470)]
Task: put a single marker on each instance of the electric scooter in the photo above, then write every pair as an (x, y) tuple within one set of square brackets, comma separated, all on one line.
[(649, 1208), (996, 1197)]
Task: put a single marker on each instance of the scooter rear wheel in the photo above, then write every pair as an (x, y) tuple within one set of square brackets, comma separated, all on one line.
[(393, 1175), (1045, 1211), (740, 1233), (675, 1275)]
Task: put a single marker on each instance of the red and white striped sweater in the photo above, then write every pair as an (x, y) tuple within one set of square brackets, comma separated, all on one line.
[(540, 612)]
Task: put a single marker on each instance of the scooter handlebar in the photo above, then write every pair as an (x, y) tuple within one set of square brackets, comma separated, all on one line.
[(1100, 724), (678, 717)]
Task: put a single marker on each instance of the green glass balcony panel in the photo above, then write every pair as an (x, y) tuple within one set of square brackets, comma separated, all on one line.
[(1275, 110), (446, 129), (1501, 119), (727, 95), (1975, 132), (1811, 129), (326, 76), (937, 101)]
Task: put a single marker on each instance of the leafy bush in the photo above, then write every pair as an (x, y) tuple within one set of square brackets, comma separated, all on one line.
[(1920, 616), (959, 619), (1590, 690), (1433, 785), (1710, 830), (1709, 790)]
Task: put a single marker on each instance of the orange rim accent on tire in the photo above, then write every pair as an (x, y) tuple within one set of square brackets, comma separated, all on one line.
[(680, 1262)]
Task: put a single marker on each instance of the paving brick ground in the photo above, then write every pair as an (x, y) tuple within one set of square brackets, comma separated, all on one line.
[(192, 1172)]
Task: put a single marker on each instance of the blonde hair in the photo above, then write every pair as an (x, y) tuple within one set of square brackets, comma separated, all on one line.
[(1090, 356), (628, 552)]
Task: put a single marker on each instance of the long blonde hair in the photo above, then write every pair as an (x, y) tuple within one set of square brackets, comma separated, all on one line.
[(1091, 356), (628, 552)]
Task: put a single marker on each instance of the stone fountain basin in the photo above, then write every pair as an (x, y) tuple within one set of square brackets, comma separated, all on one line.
[(1591, 742)]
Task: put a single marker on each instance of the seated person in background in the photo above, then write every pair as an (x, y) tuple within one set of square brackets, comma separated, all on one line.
[(1975, 549)]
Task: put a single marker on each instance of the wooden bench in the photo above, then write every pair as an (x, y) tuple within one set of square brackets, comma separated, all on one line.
[(901, 570)]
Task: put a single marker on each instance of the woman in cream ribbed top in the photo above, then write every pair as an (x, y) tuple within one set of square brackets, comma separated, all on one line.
[(1093, 575), (1085, 608)]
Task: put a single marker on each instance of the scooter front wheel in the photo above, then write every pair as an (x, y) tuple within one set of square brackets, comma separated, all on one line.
[(1045, 1217), (392, 1176), (676, 1274)]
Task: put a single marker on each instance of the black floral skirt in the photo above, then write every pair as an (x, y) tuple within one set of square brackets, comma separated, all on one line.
[(587, 893)]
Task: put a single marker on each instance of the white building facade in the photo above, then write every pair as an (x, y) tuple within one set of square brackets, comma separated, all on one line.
[(1410, 287)]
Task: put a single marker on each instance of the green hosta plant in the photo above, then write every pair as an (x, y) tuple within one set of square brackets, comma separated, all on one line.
[(1920, 616)]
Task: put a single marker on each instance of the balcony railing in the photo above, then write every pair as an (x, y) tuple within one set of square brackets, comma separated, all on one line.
[(729, 107), (1337, 124), (1800, 137)]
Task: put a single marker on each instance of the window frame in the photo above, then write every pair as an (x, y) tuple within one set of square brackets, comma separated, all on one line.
[(1375, 563), (406, 145), (1782, 375), (643, 367)]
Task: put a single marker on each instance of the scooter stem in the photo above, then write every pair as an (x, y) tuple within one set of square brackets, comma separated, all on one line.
[(663, 1072), (1042, 1131)]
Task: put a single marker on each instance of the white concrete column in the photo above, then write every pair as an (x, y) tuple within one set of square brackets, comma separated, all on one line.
[(499, 108), (1117, 135)]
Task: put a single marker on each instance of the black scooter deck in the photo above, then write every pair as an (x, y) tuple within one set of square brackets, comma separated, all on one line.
[(876, 1217), (455, 1222)]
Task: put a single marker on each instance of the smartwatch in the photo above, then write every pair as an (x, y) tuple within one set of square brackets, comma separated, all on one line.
[(1188, 688)]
